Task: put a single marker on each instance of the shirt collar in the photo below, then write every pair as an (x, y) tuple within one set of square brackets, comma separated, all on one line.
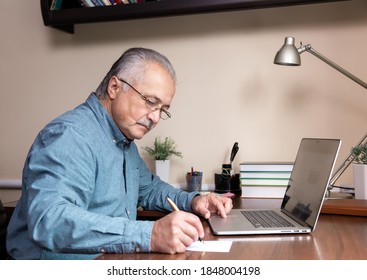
[(106, 120)]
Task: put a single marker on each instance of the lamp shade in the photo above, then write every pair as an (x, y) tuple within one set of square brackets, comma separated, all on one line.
[(288, 54)]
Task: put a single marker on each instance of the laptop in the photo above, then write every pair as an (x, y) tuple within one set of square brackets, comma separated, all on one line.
[(302, 201)]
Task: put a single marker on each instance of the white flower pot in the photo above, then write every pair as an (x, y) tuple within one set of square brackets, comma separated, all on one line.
[(162, 169), (360, 181)]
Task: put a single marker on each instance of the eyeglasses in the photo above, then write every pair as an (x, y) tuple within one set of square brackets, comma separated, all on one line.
[(151, 104)]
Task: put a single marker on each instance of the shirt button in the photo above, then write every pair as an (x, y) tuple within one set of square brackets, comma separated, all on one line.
[(114, 141), (137, 249), (103, 250)]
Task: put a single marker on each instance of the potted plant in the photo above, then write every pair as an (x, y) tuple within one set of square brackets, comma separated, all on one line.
[(161, 151), (359, 154)]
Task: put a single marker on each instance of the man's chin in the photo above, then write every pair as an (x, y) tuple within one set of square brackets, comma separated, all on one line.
[(140, 134), (138, 131)]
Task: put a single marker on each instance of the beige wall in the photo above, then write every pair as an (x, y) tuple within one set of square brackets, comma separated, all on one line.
[(228, 88)]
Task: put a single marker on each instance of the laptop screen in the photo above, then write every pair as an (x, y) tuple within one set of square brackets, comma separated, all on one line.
[(310, 177)]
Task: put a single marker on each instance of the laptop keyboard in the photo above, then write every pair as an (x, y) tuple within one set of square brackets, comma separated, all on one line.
[(266, 219)]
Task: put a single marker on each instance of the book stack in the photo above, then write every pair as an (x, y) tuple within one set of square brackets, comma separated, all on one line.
[(101, 3), (60, 4), (265, 179)]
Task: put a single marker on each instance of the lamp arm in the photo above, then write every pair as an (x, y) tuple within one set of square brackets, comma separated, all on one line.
[(339, 171), (309, 49)]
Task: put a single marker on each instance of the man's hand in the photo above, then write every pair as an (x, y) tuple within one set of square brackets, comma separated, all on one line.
[(175, 232), (205, 205)]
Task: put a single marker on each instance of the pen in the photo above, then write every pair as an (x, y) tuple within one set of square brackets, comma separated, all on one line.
[(175, 208), (172, 204)]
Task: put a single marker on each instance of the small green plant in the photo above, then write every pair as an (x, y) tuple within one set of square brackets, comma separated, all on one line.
[(360, 154), (162, 150)]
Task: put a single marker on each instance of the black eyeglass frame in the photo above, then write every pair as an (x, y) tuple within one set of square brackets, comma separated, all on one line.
[(153, 106)]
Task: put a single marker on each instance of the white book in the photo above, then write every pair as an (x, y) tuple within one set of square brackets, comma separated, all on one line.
[(265, 174), (264, 182), (266, 166), (88, 3), (263, 191)]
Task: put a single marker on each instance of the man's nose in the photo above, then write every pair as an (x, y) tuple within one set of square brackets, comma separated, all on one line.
[(155, 116)]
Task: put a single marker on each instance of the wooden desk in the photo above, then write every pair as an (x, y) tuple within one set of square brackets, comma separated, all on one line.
[(337, 237)]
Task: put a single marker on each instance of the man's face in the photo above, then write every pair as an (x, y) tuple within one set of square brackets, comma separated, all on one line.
[(128, 109)]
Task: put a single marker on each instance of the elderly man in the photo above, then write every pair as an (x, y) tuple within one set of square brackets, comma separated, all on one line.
[(83, 178)]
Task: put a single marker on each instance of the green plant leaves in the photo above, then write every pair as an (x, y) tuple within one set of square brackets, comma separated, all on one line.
[(360, 154), (162, 150)]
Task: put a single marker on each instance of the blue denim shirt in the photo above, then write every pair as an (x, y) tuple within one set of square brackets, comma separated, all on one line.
[(82, 183)]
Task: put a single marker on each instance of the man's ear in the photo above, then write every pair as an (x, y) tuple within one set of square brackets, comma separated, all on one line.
[(113, 87)]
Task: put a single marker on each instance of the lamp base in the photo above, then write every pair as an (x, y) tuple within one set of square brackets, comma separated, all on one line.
[(338, 195)]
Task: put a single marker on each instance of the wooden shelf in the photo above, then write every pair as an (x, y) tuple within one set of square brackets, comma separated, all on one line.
[(73, 13), (353, 207)]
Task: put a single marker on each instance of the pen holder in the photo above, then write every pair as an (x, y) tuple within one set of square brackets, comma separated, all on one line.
[(193, 181), (224, 184)]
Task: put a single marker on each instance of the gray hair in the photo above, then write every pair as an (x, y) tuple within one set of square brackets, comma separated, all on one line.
[(130, 66)]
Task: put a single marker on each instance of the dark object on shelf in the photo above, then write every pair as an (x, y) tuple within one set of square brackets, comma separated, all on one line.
[(3, 226), (224, 184)]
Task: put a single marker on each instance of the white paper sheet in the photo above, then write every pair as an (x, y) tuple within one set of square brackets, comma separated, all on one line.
[(211, 246)]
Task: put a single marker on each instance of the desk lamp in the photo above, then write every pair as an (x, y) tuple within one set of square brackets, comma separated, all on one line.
[(289, 55)]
